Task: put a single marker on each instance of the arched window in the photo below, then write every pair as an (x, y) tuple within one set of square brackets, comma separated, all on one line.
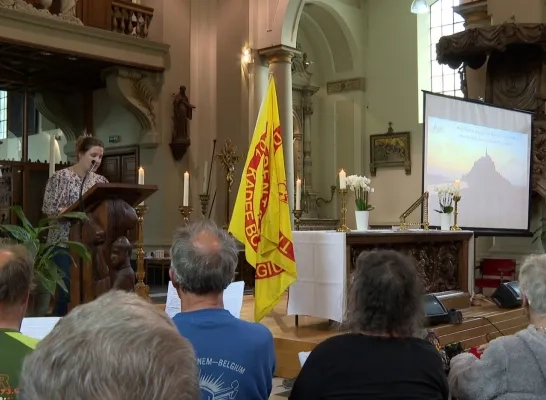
[(3, 114), (444, 21)]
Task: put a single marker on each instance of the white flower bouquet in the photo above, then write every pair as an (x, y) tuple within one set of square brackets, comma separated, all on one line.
[(445, 198), (361, 186)]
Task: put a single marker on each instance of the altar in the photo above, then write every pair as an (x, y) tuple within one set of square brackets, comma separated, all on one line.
[(325, 260)]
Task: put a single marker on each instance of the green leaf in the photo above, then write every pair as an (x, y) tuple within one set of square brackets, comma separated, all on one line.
[(18, 210), (78, 248), (19, 233)]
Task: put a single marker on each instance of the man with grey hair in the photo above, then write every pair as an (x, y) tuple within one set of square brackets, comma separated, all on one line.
[(118, 347), (16, 273), (236, 358), (510, 367)]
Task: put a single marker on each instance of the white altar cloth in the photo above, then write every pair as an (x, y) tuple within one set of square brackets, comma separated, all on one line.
[(321, 264)]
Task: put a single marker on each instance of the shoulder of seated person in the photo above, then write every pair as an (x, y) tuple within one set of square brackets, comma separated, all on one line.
[(258, 330)]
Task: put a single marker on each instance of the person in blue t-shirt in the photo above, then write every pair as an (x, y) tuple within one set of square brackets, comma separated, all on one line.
[(236, 358)]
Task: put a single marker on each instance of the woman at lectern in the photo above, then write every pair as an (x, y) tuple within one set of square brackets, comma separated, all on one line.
[(383, 357), (63, 190)]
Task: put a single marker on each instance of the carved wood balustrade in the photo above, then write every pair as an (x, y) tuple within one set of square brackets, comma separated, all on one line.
[(121, 16)]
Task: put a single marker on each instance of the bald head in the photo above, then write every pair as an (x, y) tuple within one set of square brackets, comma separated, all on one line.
[(16, 273), (203, 258)]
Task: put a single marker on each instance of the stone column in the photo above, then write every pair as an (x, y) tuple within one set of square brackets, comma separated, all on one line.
[(259, 74), (309, 193), (280, 66)]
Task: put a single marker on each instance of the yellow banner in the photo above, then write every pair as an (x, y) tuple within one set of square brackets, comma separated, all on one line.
[(261, 216)]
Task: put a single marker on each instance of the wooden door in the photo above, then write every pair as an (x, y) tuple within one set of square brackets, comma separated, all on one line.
[(120, 165)]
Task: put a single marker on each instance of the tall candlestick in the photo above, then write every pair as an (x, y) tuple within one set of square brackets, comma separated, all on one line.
[(342, 180), (141, 176), (298, 194), (51, 155), (205, 174), (186, 199)]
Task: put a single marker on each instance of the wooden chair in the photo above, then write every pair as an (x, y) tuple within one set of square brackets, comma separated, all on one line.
[(493, 272)]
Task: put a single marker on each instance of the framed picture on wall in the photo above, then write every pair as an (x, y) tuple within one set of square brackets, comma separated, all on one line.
[(390, 149)]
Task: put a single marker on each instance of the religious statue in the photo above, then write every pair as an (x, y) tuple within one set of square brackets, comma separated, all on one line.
[(182, 114), (122, 276)]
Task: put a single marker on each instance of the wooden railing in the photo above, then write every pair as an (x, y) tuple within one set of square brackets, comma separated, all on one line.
[(131, 19)]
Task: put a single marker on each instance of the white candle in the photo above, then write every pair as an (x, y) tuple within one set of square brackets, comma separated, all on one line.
[(342, 180), (186, 199), (141, 176), (457, 187), (205, 173), (51, 155), (298, 194)]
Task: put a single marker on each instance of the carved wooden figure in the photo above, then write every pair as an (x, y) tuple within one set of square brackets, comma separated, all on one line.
[(182, 114), (122, 276)]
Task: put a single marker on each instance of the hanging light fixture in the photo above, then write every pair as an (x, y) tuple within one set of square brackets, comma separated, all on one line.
[(419, 7)]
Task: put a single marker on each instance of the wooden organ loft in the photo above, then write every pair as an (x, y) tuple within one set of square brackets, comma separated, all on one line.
[(38, 84)]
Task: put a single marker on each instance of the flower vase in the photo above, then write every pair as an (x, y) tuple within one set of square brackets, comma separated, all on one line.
[(445, 221), (362, 218)]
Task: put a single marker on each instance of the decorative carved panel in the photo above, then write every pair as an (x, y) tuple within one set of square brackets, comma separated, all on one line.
[(514, 77), (437, 262)]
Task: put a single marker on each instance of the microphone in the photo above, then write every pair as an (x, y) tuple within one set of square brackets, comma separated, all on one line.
[(82, 208)]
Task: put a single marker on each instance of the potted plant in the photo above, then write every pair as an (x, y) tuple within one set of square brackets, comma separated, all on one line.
[(445, 199), (361, 186), (47, 274)]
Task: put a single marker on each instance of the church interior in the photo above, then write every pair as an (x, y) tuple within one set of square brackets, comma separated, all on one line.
[(174, 88)]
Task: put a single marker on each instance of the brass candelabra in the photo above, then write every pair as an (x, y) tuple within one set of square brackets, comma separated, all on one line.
[(141, 288), (297, 220), (204, 198), (455, 226), (343, 227), (228, 157), (186, 212)]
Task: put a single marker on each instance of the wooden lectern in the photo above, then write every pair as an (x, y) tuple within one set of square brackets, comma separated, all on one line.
[(110, 208)]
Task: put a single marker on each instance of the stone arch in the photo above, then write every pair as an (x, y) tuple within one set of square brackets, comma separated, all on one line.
[(335, 29)]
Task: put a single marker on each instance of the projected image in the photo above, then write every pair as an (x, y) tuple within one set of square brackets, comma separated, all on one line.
[(492, 165)]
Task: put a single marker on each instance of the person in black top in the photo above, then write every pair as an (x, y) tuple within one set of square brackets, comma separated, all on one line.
[(383, 357)]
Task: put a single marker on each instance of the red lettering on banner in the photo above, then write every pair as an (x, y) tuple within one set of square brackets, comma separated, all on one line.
[(286, 247), (267, 270), (251, 225), (277, 138)]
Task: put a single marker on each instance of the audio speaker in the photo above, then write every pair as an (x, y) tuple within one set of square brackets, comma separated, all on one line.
[(507, 295), (435, 312)]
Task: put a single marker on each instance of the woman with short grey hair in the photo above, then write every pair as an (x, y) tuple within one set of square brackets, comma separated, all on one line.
[(510, 367), (384, 356)]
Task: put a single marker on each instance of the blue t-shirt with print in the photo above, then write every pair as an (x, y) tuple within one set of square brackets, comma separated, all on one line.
[(236, 358)]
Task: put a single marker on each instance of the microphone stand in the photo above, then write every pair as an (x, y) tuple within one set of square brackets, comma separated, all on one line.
[(82, 209)]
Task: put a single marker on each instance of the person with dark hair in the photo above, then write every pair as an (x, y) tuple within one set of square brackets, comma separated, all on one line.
[(63, 190), (384, 356), (122, 276), (236, 357), (16, 272)]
